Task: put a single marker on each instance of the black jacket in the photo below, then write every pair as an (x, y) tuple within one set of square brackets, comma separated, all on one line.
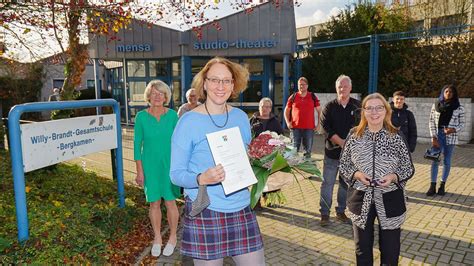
[(336, 119), (405, 121), (259, 125)]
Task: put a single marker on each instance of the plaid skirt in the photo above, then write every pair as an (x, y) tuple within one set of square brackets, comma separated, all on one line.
[(213, 235)]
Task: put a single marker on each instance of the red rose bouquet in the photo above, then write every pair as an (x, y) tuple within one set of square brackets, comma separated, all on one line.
[(270, 153)]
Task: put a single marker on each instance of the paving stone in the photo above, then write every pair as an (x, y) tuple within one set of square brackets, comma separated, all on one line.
[(438, 230), (445, 258), (431, 259), (458, 257)]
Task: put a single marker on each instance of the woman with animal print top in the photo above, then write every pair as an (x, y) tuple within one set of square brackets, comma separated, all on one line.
[(376, 164)]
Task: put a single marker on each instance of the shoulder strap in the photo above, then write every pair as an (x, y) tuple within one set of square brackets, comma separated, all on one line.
[(293, 98)]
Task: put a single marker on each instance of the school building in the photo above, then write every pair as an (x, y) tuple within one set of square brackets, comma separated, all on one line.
[(264, 40)]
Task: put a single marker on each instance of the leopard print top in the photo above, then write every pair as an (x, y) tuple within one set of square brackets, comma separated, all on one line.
[(376, 154)]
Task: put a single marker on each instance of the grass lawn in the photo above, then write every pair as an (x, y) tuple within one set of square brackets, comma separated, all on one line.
[(73, 218)]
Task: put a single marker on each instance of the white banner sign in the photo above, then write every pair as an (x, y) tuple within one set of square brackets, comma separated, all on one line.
[(47, 143)]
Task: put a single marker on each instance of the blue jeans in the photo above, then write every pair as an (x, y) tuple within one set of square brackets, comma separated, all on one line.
[(305, 136), (447, 151), (330, 170)]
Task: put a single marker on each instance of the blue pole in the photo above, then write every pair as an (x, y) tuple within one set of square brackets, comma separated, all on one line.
[(18, 173), (373, 63), (286, 83), (119, 158), (17, 158)]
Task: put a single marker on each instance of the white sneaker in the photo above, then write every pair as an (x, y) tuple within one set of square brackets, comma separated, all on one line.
[(169, 249), (156, 250)]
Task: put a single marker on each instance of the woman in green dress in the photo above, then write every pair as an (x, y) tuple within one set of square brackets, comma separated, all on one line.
[(152, 151)]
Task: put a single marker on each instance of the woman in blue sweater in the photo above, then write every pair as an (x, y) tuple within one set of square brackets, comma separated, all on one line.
[(216, 225)]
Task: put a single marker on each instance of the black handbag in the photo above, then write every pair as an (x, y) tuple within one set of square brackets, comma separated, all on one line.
[(432, 154)]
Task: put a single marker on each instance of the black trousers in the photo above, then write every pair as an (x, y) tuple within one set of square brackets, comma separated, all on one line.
[(389, 242)]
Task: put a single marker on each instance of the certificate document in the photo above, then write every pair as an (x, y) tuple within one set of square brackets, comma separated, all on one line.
[(228, 150)]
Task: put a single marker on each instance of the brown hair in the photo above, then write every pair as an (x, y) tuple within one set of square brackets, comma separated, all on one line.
[(240, 76), (387, 121), (399, 93)]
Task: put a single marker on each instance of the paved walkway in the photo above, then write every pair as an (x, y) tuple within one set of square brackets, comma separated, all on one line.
[(439, 230)]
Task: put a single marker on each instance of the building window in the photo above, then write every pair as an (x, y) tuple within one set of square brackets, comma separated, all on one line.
[(418, 25), (255, 66), (58, 83), (253, 93), (136, 68), (197, 65), (447, 21), (137, 88), (279, 69), (176, 93), (91, 84), (176, 68), (158, 68)]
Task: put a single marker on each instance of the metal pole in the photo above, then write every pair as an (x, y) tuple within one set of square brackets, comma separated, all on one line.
[(18, 174), (286, 83), (119, 158), (125, 90), (96, 83), (373, 63)]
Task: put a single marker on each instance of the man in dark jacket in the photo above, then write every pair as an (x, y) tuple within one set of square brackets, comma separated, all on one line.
[(337, 119), (404, 119)]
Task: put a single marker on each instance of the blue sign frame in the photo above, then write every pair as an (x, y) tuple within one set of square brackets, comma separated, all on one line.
[(17, 158)]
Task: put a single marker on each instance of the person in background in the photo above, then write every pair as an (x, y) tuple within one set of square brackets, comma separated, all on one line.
[(264, 119), (152, 153), (338, 117), (376, 164), (191, 104), (215, 225), (447, 119), (299, 116), (55, 96), (403, 119)]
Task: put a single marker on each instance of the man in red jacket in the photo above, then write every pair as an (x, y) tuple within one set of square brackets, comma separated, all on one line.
[(299, 116)]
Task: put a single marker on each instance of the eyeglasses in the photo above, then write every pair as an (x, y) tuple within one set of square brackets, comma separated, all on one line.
[(216, 81), (156, 93), (378, 108)]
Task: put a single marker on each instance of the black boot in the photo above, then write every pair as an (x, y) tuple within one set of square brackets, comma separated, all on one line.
[(432, 189), (441, 191)]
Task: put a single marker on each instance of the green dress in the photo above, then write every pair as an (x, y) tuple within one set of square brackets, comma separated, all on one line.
[(152, 145)]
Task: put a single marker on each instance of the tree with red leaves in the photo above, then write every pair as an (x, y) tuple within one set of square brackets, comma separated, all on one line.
[(68, 22)]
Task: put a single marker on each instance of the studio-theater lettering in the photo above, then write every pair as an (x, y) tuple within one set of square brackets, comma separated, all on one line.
[(239, 44), (134, 48)]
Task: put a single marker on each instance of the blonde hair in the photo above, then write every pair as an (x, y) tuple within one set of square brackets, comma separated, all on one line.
[(265, 100), (240, 75), (387, 121), (159, 86), (305, 80)]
